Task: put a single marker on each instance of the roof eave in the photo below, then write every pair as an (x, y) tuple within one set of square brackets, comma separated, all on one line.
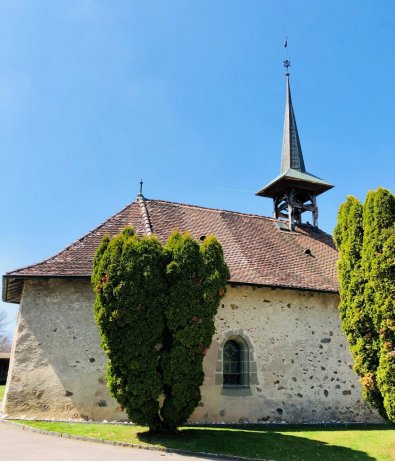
[(282, 287), (15, 297), (273, 188), (13, 294)]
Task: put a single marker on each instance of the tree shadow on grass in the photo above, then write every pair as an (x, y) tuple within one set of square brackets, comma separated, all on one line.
[(255, 444), (387, 426)]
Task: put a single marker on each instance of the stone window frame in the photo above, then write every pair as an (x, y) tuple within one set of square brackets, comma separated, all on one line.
[(249, 370), (244, 363)]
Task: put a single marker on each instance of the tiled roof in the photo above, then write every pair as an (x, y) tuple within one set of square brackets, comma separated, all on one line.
[(256, 250)]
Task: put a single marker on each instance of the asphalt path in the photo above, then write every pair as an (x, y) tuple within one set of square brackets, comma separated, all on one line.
[(20, 445)]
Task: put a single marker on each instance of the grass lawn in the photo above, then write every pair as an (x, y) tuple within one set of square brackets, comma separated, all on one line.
[(280, 444), (2, 389)]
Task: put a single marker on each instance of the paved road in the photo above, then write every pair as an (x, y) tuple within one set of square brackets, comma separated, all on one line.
[(20, 445)]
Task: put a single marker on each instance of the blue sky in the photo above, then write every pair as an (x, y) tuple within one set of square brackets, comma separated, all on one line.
[(188, 95)]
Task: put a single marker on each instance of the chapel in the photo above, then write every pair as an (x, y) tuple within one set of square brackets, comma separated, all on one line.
[(278, 353)]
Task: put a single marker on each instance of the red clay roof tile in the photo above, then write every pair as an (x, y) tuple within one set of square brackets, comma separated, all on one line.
[(256, 250)]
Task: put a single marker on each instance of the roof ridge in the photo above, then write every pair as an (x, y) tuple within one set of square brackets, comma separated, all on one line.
[(145, 215), (219, 210), (71, 244), (240, 213)]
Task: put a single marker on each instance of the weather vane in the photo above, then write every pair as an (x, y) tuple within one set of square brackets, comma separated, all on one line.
[(287, 63), (141, 187)]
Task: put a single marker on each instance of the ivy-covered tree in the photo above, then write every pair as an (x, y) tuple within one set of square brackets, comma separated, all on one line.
[(365, 237), (155, 309), (131, 294)]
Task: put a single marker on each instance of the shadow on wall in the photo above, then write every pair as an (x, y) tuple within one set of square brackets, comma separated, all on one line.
[(59, 367), (259, 443)]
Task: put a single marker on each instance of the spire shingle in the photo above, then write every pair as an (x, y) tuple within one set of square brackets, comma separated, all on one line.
[(292, 156)]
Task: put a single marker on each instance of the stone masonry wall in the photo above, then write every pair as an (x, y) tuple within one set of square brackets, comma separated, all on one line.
[(57, 366), (299, 365)]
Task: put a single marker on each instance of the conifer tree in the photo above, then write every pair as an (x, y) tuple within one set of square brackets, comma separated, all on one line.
[(131, 292), (348, 236), (365, 240), (197, 278), (155, 310), (379, 265)]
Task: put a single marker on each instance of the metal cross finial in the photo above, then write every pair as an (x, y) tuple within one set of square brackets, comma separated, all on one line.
[(287, 63), (141, 187)]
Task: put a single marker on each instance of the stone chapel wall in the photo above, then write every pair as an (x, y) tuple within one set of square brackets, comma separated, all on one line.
[(299, 365), (57, 366)]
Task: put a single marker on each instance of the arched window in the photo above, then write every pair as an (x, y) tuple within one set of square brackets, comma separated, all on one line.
[(235, 363)]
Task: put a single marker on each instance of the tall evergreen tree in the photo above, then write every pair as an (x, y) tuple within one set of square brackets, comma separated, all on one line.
[(155, 309), (364, 237), (131, 293), (197, 278), (379, 262), (348, 236)]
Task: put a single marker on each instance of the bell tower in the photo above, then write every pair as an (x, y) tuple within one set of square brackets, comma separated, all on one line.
[(295, 190)]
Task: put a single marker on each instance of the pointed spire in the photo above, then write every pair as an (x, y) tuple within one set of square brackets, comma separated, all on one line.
[(292, 156), (294, 191)]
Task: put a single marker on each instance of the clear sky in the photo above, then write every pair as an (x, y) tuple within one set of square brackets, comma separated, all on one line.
[(188, 95)]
